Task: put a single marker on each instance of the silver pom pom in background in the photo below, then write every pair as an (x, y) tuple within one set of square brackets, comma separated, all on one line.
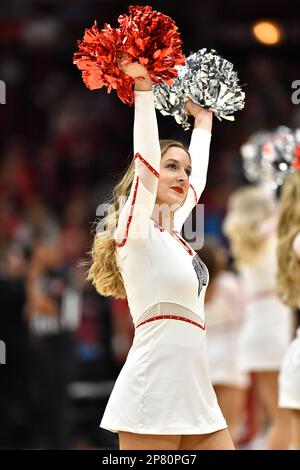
[(208, 80), (267, 156), (254, 168)]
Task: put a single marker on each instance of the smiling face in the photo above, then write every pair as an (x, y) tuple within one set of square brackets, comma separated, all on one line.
[(173, 184)]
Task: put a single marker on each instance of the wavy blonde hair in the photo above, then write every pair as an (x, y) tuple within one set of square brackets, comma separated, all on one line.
[(104, 271), (248, 207), (288, 276)]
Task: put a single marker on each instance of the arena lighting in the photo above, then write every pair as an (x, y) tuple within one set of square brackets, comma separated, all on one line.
[(267, 32)]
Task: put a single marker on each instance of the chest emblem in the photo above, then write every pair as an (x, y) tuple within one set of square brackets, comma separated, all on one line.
[(201, 272)]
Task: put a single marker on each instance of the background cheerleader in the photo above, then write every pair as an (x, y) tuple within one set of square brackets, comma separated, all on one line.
[(288, 289), (224, 311), (250, 226)]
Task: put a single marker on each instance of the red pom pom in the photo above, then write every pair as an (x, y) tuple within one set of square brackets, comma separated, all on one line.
[(145, 35), (152, 38), (97, 56)]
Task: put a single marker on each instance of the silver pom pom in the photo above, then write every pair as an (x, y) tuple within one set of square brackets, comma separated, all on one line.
[(253, 166), (208, 80), (267, 156)]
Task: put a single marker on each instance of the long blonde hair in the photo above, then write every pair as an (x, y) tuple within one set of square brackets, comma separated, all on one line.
[(288, 277), (248, 207), (104, 271)]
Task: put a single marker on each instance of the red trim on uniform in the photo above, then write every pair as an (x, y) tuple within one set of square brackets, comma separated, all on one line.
[(158, 226), (195, 194), (177, 236), (172, 317), (122, 243), (185, 244), (137, 155)]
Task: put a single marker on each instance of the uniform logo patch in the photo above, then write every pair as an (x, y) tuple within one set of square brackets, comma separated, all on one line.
[(201, 272)]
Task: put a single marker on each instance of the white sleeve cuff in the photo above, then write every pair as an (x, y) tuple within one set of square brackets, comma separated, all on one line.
[(201, 133), (143, 96)]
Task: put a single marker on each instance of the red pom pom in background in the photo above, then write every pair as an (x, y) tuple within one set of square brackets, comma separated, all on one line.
[(296, 161)]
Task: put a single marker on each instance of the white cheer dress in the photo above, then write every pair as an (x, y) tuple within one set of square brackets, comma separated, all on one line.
[(289, 377), (164, 386), (267, 330)]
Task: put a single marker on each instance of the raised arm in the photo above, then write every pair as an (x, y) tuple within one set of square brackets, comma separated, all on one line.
[(199, 152), (134, 218)]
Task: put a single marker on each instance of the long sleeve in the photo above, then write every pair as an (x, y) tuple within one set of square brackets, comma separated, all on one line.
[(199, 152), (135, 216)]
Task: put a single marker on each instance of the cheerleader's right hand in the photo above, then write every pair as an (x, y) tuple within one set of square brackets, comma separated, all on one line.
[(139, 73), (133, 69)]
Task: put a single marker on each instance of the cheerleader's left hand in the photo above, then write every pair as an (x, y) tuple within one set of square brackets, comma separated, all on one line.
[(203, 117)]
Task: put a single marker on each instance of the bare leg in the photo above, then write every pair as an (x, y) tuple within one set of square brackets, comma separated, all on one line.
[(296, 429), (132, 441), (232, 401), (279, 434), (219, 440)]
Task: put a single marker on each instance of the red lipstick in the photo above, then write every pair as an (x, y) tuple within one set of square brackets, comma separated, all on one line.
[(179, 190)]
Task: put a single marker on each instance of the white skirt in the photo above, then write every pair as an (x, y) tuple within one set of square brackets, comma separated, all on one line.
[(265, 335), (164, 387), (289, 377), (223, 357)]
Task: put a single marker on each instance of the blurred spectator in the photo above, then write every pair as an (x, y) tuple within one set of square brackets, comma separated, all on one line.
[(53, 311), (14, 333), (122, 330)]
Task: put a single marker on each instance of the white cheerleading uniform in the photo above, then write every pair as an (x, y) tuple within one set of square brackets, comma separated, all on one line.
[(164, 386), (267, 330), (224, 314), (289, 377)]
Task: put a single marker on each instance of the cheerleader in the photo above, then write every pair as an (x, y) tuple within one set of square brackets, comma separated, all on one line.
[(250, 225), (163, 397), (288, 289), (224, 312)]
